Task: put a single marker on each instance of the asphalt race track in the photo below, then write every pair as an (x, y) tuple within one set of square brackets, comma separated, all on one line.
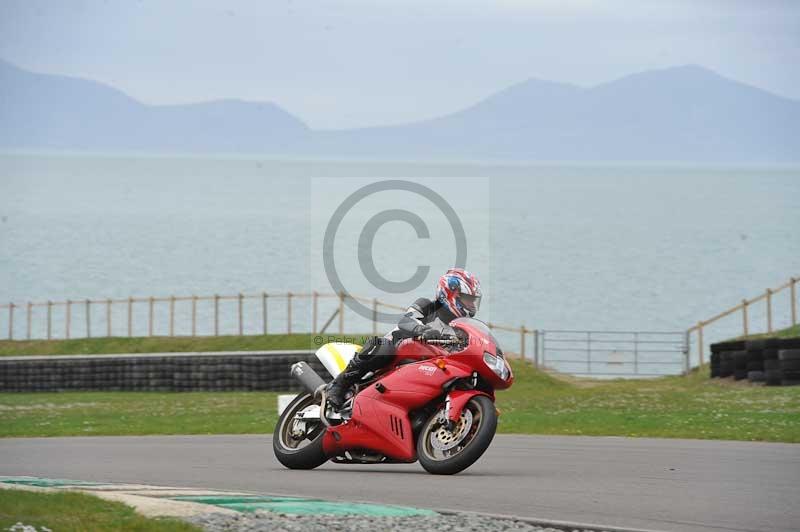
[(634, 483)]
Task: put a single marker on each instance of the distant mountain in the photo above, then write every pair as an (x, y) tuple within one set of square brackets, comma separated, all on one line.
[(686, 113), (678, 114), (56, 112)]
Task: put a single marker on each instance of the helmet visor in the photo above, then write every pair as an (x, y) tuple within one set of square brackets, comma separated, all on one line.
[(470, 303)]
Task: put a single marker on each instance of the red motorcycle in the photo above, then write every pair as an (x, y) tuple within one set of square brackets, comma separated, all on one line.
[(434, 403)]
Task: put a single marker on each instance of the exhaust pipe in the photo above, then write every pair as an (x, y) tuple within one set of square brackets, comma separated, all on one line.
[(307, 377)]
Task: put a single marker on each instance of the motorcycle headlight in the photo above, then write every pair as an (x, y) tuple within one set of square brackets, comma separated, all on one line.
[(496, 364)]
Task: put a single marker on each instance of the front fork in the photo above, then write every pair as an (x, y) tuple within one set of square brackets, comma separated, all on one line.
[(455, 402)]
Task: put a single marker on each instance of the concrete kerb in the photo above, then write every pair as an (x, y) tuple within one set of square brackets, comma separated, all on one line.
[(157, 501), (165, 501), (146, 505)]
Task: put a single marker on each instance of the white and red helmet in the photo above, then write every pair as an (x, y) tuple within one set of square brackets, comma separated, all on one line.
[(460, 292)]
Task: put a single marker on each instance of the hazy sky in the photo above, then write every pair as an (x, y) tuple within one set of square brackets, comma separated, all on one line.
[(351, 63)]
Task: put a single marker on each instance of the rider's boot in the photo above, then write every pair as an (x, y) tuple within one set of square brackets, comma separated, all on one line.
[(338, 387)]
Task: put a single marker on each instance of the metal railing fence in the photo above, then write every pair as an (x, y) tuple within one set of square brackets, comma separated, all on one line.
[(614, 353), (255, 314), (745, 308)]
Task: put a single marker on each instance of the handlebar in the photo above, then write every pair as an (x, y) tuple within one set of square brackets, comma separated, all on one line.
[(443, 341)]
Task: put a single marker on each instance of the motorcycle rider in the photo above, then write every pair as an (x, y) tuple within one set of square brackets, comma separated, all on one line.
[(458, 294)]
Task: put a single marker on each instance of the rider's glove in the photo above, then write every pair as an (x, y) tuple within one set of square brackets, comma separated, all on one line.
[(431, 334)]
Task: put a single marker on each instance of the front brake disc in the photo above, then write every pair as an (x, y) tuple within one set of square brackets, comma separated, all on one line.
[(443, 439)]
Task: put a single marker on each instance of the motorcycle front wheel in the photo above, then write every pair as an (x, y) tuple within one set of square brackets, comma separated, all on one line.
[(297, 443), (443, 450)]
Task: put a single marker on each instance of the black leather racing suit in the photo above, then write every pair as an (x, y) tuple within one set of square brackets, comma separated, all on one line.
[(425, 318)]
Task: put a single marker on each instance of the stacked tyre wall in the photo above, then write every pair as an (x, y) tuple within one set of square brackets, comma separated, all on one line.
[(179, 372), (772, 361)]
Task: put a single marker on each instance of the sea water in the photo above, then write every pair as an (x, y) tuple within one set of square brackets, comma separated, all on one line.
[(603, 247)]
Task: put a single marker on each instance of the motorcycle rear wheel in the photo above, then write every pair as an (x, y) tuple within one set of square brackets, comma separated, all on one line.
[(480, 416), (287, 449)]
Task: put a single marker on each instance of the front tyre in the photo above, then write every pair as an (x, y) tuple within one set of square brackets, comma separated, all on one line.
[(297, 442), (444, 451)]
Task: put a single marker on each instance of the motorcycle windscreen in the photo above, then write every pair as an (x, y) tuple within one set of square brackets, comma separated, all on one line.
[(335, 356)]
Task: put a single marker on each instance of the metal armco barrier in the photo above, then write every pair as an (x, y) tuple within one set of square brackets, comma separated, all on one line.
[(614, 353), (158, 372)]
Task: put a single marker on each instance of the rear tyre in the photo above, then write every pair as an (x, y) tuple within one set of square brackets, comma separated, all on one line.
[(291, 450), (444, 452)]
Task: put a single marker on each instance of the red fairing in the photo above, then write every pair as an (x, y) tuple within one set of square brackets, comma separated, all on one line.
[(459, 399), (480, 341), (414, 350), (380, 421)]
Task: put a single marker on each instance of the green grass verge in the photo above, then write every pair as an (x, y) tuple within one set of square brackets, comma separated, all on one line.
[(692, 406), (78, 512), (136, 413), (672, 407), (165, 344)]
